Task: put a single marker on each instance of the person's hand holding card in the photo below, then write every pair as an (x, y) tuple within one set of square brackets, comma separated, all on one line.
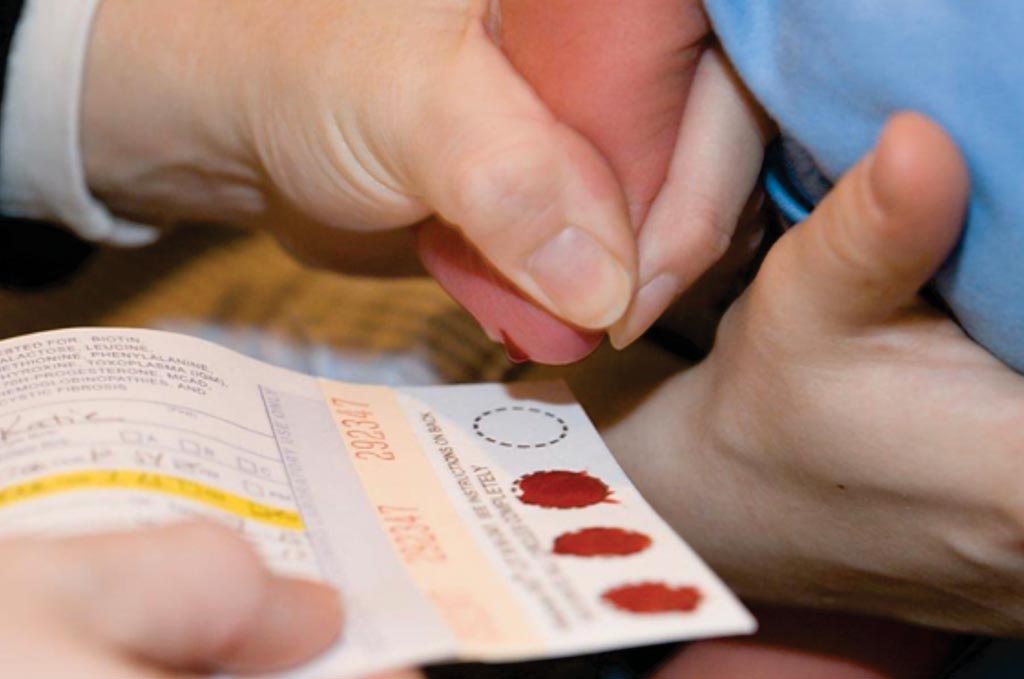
[(186, 598)]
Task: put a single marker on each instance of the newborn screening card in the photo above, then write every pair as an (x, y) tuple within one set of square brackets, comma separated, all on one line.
[(482, 522)]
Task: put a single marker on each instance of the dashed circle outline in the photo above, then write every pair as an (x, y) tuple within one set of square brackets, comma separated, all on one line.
[(478, 430)]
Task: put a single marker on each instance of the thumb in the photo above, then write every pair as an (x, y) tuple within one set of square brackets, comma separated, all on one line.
[(536, 199), (190, 597), (882, 232)]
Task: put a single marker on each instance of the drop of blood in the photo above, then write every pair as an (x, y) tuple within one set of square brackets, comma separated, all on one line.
[(514, 352), (601, 541), (653, 597), (559, 489)]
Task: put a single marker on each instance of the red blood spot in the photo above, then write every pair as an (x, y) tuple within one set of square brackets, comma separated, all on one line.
[(600, 541), (514, 352), (562, 489), (653, 597)]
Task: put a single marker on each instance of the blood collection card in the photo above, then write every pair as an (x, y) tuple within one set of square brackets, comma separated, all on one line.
[(480, 523)]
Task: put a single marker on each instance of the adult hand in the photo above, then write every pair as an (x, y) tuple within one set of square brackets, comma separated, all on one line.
[(334, 122), (845, 445), (170, 602)]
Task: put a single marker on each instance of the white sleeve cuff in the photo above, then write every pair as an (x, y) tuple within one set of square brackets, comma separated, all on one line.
[(41, 168)]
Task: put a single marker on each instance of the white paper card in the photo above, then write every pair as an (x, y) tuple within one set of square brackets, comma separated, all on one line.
[(483, 522)]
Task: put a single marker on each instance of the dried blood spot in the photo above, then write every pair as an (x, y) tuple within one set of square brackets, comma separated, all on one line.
[(558, 489), (601, 541), (653, 597)]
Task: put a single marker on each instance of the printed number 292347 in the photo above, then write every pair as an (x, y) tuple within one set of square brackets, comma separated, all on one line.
[(363, 433)]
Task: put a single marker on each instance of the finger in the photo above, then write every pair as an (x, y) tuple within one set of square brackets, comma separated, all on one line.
[(880, 235), (190, 597), (714, 168), (535, 198)]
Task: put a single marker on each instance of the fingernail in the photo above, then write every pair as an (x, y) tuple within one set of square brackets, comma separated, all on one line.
[(650, 302), (584, 282)]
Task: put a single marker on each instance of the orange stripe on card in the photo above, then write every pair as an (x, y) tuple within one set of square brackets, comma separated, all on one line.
[(424, 528)]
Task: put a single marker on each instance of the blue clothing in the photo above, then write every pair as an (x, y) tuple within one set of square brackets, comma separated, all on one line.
[(831, 72)]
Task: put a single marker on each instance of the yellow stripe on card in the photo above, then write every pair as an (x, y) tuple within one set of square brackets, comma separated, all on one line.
[(125, 479)]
